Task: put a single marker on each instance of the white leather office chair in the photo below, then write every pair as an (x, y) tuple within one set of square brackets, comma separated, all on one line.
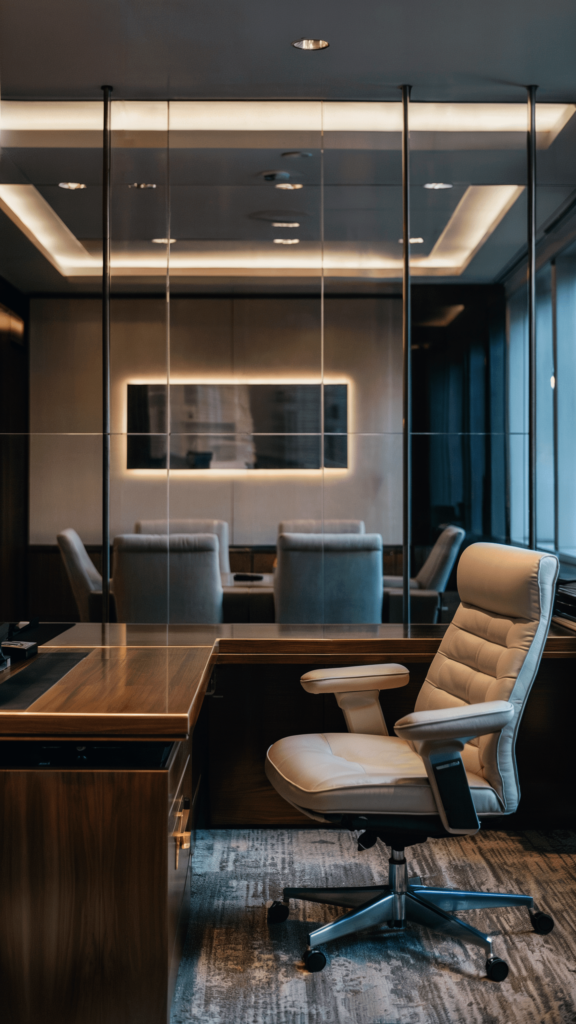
[(451, 764), (322, 526), (217, 526), (172, 578), (332, 577), (80, 569)]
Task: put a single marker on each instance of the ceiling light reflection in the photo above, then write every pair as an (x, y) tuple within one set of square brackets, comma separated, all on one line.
[(288, 186), (72, 185)]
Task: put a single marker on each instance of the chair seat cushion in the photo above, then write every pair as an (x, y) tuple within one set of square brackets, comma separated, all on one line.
[(350, 773)]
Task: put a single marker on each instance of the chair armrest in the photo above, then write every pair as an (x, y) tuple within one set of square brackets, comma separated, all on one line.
[(355, 678), (462, 723)]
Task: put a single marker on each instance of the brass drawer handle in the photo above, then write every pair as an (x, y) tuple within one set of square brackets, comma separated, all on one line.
[(180, 834)]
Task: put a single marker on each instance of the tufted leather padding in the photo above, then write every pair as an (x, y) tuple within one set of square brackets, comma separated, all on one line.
[(492, 649), (351, 773), (322, 526)]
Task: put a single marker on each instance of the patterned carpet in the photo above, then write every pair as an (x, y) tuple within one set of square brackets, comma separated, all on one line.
[(238, 971)]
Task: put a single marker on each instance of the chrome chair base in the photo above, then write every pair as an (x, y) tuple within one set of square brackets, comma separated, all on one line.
[(405, 899)]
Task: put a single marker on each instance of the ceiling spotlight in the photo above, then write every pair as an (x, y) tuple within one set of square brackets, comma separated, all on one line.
[(141, 184), (438, 184), (296, 154), (70, 184), (413, 241), (311, 44), (164, 241), (286, 241), (285, 224), (275, 175), (288, 185)]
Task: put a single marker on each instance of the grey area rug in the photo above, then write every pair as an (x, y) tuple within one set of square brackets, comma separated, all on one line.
[(236, 970)]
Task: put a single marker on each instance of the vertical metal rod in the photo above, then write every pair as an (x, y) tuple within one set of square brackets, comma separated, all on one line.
[(407, 364), (531, 180), (554, 299), (107, 90)]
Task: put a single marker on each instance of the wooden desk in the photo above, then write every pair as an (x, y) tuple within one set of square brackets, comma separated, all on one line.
[(92, 894)]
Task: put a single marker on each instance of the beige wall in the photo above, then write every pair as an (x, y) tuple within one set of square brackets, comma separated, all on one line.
[(237, 339)]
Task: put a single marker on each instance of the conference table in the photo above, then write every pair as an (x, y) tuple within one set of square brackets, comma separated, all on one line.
[(149, 732)]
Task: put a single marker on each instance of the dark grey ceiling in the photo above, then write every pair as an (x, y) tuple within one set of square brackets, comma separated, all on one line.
[(447, 49)]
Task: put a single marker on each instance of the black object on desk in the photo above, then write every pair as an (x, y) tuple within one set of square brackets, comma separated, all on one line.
[(248, 577), (19, 650), (18, 692)]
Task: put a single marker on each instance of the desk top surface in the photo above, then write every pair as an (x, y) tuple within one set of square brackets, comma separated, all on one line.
[(148, 682)]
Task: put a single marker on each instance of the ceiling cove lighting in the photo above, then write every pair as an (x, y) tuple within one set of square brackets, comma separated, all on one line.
[(436, 185), (288, 185), (286, 241), (164, 241), (72, 185), (285, 224), (311, 44), (23, 116)]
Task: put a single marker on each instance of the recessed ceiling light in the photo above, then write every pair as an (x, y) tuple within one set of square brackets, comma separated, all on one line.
[(285, 224), (141, 184), (438, 184), (296, 154), (288, 185), (286, 241), (70, 184), (164, 241), (413, 241), (311, 44), (275, 175)]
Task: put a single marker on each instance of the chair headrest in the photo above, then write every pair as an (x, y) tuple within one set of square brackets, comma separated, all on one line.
[(139, 542), (505, 580), (330, 542)]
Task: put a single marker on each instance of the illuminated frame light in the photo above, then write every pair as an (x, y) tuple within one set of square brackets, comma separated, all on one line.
[(256, 474), (278, 115)]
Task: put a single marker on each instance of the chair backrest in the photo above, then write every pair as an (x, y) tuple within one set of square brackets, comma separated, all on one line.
[(173, 578), (436, 570), (329, 577), (322, 526), (217, 526), (492, 649), (81, 571)]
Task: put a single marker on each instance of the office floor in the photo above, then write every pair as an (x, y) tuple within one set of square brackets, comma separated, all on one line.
[(238, 971)]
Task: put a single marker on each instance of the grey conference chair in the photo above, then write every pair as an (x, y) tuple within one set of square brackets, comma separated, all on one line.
[(322, 526), (167, 579), (217, 526), (80, 569), (427, 586), (329, 577), (451, 765)]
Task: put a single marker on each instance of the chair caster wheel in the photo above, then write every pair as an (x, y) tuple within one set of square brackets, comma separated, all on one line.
[(541, 923), (496, 969), (278, 912), (314, 960)]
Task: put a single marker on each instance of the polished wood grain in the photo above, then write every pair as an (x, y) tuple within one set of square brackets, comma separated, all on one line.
[(145, 693), (91, 898)]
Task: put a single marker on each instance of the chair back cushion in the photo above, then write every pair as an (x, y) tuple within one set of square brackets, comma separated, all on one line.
[(492, 650), (331, 578), (436, 570), (81, 571), (173, 578), (322, 526), (217, 526)]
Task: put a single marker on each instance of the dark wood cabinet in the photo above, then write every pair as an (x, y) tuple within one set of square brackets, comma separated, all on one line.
[(93, 891)]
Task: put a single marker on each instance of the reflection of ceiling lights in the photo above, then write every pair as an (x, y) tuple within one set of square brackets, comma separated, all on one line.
[(437, 184), (141, 184), (275, 175), (73, 185), (311, 44), (413, 241), (285, 224), (164, 241), (286, 241), (288, 185), (296, 154)]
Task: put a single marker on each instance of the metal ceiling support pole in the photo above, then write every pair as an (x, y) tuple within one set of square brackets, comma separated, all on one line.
[(531, 179), (107, 90), (407, 367)]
